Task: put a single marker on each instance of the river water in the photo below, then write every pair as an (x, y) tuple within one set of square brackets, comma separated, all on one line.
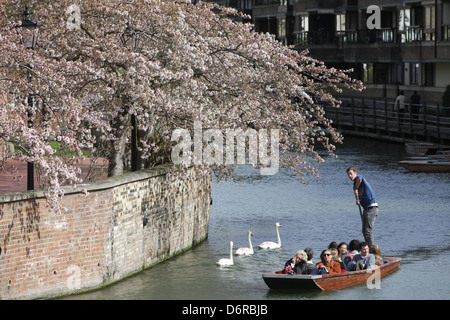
[(413, 223)]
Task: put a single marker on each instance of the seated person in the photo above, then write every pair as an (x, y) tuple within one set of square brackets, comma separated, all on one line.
[(296, 265), (353, 248), (309, 262), (338, 259), (362, 261), (376, 251), (342, 249), (332, 245), (327, 264)]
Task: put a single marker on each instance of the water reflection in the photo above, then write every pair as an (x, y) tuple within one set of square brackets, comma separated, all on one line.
[(295, 294)]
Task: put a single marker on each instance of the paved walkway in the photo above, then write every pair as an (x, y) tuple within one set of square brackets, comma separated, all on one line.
[(10, 181)]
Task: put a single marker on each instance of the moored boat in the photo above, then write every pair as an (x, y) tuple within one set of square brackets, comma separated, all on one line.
[(422, 148), (433, 157), (427, 165), (278, 280), (426, 148)]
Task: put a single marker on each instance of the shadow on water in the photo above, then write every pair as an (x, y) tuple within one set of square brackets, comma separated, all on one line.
[(286, 294), (422, 253)]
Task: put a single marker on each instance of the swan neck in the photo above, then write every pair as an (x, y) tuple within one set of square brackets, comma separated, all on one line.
[(278, 236), (250, 241)]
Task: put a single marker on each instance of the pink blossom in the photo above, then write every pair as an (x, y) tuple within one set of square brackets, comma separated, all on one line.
[(179, 64)]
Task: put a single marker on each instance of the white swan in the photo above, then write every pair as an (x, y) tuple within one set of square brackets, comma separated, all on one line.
[(271, 244), (246, 251), (227, 262)]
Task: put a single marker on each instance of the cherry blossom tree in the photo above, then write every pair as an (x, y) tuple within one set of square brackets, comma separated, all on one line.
[(104, 72)]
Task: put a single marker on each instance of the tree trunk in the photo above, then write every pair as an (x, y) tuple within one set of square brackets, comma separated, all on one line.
[(118, 146)]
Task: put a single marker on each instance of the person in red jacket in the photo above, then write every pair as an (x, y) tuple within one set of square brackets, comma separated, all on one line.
[(327, 265)]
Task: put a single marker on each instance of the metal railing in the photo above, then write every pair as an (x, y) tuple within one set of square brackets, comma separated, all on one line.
[(384, 35), (414, 33), (270, 2), (379, 115)]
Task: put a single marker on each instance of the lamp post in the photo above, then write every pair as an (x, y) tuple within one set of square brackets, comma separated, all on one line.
[(28, 31), (130, 40)]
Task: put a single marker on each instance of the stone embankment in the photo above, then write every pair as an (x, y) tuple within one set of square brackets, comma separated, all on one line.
[(124, 225)]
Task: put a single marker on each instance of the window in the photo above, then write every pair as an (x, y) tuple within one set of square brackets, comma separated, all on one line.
[(417, 15), (404, 19), (245, 4), (340, 22), (414, 74), (302, 30), (429, 17), (428, 74), (430, 23), (380, 73), (397, 73), (282, 27), (304, 23), (368, 72)]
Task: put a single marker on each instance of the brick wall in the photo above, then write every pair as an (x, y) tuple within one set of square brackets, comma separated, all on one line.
[(124, 225)]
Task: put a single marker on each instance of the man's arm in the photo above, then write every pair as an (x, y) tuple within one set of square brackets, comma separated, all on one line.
[(370, 259), (355, 190), (357, 184)]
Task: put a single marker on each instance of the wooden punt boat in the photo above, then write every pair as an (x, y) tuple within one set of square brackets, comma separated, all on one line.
[(278, 280)]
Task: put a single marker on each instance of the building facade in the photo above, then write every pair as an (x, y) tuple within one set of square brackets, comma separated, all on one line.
[(409, 48)]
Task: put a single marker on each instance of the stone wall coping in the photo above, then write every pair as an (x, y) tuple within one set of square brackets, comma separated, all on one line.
[(96, 185)]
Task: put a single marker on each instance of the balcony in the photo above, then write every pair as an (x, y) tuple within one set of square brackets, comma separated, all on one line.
[(315, 38), (384, 35), (271, 2), (414, 33), (304, 5), (417, 33)]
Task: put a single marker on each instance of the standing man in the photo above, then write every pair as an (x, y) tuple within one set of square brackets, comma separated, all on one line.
[(415, 105), (366, 198), (399, 105)]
